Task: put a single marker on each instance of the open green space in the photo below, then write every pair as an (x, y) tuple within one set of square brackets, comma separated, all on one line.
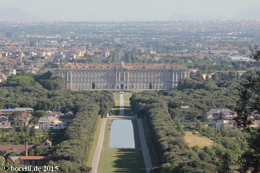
[(127, 111), (105, 141), (127, 96), (121, 160), (116, 110), (197, 139), (116, 97), (94, 142), (136, 134)]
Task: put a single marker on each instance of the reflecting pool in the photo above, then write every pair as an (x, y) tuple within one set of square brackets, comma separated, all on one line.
[(122, 134)]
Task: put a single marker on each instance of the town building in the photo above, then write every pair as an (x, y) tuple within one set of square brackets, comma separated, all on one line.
[(8, 112), (122, 75), (203, 124), (29, 160), (45, 144), (51, 122), (239, 58), (229, 124), (216, 114)]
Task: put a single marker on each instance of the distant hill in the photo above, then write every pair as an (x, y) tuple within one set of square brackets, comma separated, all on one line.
[(177, 17), (248, 13), (16, 14)]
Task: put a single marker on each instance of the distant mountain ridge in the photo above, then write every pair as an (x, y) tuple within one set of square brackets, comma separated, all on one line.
[(244, 14), (11, 13), (248, 13)]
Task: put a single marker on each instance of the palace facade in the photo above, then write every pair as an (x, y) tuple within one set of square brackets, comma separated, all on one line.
[(122, 75)]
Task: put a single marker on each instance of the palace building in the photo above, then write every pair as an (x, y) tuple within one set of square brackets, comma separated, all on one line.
[(122, 75)]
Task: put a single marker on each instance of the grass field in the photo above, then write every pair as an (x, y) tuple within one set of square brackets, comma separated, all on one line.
[(127, 96), (121, 160), (136, 134), (106, 134), (94, 142), (116, 97), (197, 139)]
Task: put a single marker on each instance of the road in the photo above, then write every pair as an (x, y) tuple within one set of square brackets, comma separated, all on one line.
[(121, 55), (99, 146), (147, 158), (122, 110)]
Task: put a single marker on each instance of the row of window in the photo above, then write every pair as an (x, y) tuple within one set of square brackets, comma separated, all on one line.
[(135, 74), (133, 86), (131, 80)]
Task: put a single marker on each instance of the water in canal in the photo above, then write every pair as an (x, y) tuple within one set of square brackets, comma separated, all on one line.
[(122, 134)]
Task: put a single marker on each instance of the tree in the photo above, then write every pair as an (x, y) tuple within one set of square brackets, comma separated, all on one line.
[(25, 129), (30, 152), (38, 151), (192, 74), (34, 120), (32, 131), (232, 74), (18, 129), (198, 126), (248, 102), (17, 113), (216, 78), (39, 113), (225, 161), (199, 75)]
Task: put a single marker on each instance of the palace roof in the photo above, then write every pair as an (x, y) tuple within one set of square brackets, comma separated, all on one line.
[(128, 66)]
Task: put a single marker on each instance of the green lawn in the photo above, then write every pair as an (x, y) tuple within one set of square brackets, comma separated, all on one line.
[(121, 160), (116, 97), (136, 134), (106, 134), (93, 145), (127, 103), (116, 110), (127, 96), (117, 103), (127, 111)]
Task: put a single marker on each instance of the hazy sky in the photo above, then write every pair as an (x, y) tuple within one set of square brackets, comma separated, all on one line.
[(132, 10)]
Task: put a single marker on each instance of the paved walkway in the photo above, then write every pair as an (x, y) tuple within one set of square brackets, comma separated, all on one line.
[(99, 146), (122, 110), (146, 154), (122, 117)]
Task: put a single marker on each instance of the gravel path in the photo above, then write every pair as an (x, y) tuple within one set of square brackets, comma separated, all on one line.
[(99, 146), (122, 105), (147, 158)]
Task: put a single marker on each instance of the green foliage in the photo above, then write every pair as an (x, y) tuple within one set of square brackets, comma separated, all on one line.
[(159, 109), (172, 150), (199, 126), (32, 131), (246, 105), (70, 153), (19, 81), (39, 113), (50, 82)]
